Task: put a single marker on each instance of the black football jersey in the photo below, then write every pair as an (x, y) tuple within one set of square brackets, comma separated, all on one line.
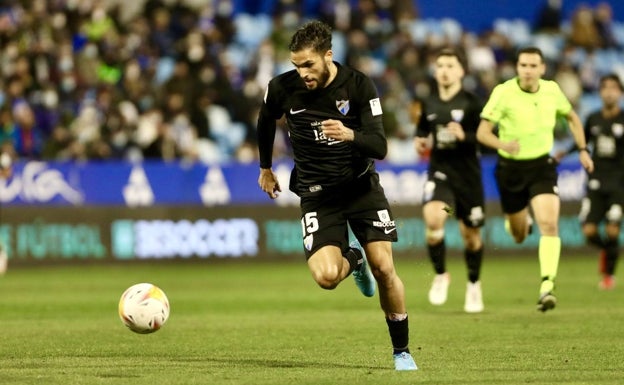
[(606, 137), (322, 163), (454, 158)]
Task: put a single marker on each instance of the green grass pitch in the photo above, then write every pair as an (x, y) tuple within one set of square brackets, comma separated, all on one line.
[(268, 323)]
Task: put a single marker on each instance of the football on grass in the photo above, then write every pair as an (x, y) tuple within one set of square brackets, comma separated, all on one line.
[(143, 308)]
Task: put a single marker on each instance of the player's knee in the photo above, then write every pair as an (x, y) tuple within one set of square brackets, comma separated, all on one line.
[(327, 285), (434, 236), (473, 243), (384, 272), (327, 279), (518, 235), (549, 228)]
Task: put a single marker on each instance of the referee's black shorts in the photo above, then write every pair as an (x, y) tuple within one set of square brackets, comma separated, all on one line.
[(519, 181)]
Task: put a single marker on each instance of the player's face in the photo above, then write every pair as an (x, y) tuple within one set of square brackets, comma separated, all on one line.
[(530, 69), (448, 71), (610, 93), (312, 66)]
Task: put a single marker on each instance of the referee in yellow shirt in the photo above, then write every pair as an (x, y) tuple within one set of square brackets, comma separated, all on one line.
[(525, 109)]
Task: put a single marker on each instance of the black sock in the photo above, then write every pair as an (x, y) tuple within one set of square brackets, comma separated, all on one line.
[(355, 258), (612, 249), (595, 240), (437, 254), (399, 335), (473, 262)]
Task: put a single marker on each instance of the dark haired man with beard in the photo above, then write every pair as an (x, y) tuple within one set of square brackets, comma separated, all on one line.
[(335, 127)]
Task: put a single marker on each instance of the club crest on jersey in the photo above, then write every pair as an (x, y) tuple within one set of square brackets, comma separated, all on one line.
[(457, 115), (342, 106), (618, 129)]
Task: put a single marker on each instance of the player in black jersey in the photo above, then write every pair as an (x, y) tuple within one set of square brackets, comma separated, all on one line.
[(447, 127), (604, 200), (334, 120)]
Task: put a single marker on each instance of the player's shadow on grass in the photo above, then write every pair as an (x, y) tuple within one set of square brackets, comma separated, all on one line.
[(254, 362)]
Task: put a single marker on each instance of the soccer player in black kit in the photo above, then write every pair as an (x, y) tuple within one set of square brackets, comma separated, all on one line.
[(448, 124), (604, 200), (334, 120)]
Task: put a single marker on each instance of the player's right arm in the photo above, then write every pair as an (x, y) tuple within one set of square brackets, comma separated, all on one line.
[(267, 125)]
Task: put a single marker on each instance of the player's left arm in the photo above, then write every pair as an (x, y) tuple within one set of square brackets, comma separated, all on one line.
[(467, 130), (370, 139), (464, 131), (578, 133)]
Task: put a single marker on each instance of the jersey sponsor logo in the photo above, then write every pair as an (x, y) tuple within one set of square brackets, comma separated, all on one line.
[(342, 106), (385, 221), (375, 105), (295, 112)]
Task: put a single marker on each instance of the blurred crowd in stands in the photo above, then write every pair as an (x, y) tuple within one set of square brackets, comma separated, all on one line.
[(156, 79)]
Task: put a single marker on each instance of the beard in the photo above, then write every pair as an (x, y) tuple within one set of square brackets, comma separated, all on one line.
[(321, 82)]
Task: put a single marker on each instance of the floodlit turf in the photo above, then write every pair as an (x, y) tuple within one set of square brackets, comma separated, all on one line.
[(238, 323)]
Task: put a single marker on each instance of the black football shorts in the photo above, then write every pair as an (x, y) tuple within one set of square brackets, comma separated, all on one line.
[(519, 181), (467, 200), (362, 205)]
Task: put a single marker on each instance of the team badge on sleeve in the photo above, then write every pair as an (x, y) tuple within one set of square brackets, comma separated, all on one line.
[(342, 106), (375, 106)]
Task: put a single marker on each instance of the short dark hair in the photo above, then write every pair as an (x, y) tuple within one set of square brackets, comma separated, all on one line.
[(454, 52), (611, 76), (531, 50), (314, 34)]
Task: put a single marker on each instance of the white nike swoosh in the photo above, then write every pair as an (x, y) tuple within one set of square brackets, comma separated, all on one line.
[(296, 112), (388, 231)]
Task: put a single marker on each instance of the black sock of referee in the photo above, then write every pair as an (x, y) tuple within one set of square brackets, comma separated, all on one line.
[(437, 254), (399, 335), (473, 262), (355, 258)]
